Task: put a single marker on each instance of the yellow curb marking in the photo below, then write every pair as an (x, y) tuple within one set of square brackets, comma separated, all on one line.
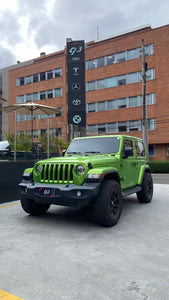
[(9, 206), (7, 296)]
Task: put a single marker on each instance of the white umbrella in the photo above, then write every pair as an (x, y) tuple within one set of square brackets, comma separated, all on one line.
[(2, 100), (29, 108)]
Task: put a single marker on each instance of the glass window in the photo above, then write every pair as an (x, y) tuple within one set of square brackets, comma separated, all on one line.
[(49, 94), (101, 84), (18, 82), (22, 82), (35, 78), (132, 77), (59, 113), (20, 117), (139, 148), (42, 76), (28, 97), (135, 125), (91, 86), (127, 144), (101, 129), (42, 95), (110, 59), (100, 62), (35, 96), (150, 74), (20, 99), (111, 104), (111, 82), (28, 79), (121, 103), (90, 64), (149, 50), (152, 150), (150, 99), (132, 54), (58, 92), (57, 72), (121, 80), (122, 126), (59, 132), (36, 133), (50, 74), (111, 128), (91, 107), (151, 124), (101, 106), (121, 57), (134, 101), (92, 129)]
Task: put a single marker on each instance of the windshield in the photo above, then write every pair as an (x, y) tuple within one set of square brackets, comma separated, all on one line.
[(104, 145)]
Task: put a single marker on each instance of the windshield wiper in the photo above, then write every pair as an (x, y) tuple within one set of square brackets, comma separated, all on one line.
[(73, 152), (90, 152)]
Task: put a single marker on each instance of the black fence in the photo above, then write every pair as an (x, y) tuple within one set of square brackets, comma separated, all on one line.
[(10, 177)]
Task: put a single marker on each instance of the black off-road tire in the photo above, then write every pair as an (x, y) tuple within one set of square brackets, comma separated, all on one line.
[(146, 194), (33, 208), (109, 203)]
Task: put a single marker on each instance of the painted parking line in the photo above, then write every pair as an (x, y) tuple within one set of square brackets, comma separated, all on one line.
[(4, 206), (6, 296)]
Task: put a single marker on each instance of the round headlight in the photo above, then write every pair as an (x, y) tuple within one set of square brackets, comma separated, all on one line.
[(38, 169), (80, 170)]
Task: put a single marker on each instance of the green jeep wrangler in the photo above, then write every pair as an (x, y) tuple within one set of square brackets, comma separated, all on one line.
[(97, 170)]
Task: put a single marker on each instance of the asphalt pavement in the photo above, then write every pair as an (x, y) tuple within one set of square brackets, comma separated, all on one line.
[(65, 255)]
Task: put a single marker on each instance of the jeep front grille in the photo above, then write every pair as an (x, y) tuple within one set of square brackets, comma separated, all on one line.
[(57, 173)]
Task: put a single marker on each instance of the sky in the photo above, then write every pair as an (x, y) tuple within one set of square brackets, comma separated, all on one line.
[(29, 27)]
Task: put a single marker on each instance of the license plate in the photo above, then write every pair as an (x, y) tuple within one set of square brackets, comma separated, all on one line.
[(47, 192)]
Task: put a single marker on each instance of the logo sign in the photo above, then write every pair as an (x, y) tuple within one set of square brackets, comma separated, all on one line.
[(76, 83), (76, 86), (76, 102), (77, 119)]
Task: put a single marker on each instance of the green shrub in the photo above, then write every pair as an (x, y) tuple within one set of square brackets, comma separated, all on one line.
[(159, 166)]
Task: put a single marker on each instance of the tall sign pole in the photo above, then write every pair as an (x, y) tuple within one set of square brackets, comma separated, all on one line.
[(144, 106), (76, 86)]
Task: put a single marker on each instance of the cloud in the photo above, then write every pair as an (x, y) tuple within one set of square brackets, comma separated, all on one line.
[(31, 26), (7, 58)]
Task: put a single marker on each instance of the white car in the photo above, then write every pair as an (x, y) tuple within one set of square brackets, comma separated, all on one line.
[(4, 146)]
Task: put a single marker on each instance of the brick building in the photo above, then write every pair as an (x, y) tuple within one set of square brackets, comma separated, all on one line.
[(113, 88)]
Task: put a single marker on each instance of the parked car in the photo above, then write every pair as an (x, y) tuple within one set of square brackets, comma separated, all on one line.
[(97, 170), (4, 148)]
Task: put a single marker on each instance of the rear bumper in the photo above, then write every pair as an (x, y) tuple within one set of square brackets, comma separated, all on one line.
[(65, 195)]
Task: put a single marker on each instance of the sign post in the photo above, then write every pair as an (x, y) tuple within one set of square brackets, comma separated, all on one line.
[(76, 87)]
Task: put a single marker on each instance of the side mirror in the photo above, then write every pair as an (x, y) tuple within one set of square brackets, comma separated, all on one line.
[(128, 152), (63, 152)]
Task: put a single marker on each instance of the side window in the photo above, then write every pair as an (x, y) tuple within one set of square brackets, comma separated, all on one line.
[(139, 149), (128, 148)]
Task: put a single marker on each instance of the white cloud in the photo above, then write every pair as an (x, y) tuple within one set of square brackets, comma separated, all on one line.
[(29, 27)]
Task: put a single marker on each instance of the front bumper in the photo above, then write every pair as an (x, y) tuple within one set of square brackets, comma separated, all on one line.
[(65, 195)]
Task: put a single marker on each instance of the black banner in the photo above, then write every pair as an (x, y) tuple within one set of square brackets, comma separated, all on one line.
[(76, 83)]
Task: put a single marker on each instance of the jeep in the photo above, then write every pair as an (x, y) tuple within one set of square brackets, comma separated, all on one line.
[(95, 170)]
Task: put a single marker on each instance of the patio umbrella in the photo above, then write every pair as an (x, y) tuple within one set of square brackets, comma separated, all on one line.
[(31, 108), (2, 100)]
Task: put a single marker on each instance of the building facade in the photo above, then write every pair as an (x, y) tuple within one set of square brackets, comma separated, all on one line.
[(113, 88)]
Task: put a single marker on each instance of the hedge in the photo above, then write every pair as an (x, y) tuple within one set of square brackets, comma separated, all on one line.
[(159, 166)]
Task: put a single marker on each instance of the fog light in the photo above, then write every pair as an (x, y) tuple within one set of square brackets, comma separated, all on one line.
[(78, 193)]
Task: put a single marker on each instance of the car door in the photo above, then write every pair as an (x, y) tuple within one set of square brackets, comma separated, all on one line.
[(130, 166)]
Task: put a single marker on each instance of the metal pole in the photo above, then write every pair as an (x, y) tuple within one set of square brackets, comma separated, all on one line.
[(32, 124), (48, 135), (144, 105), (15, 140)]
